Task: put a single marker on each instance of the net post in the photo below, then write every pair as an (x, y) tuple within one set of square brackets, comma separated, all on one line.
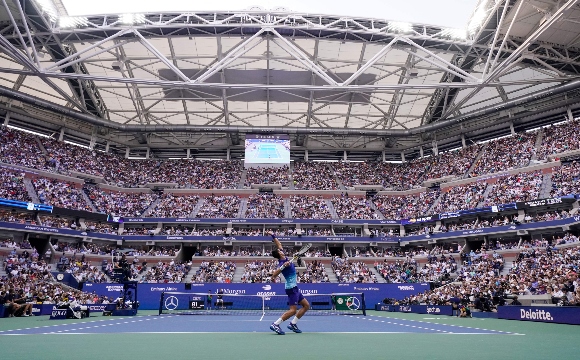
[(364, 307), (161, 302), (263, 307)]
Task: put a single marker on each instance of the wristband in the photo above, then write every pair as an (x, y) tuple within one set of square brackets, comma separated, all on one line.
[(282, 267), (273, 236)]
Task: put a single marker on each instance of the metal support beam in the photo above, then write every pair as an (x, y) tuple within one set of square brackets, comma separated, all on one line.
[(231, 56), (445, 65), (303, 58), (127, 152), (435, 148), (20, 37), (402, 156), (421, 154), (77, 55), (223, 78), (188, 153), (6, 119), (483, 112), (495, 37), (107, 145), (506, 36), (93, 140), (348, 88), (570, 116), (371, 61), (496, 72), (463, 144), (512, 130), (81, 59), (61, 135), (34, 71), (160, 56), (306, 155)]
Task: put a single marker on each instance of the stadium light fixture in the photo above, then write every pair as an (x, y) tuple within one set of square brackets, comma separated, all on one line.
[(132, 19), (454, 33), (72, 21), (402, 27)]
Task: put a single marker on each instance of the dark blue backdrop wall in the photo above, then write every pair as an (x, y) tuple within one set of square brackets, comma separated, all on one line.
[(149, 294)]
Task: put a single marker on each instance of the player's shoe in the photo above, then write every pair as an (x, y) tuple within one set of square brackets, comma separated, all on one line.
[(277, 329), (294, 328)]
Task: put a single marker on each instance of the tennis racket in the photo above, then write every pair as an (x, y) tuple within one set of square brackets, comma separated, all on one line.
[(301, 252)]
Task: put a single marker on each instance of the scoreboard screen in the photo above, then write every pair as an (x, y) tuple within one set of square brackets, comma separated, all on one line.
[(267, 149), (196, 305)]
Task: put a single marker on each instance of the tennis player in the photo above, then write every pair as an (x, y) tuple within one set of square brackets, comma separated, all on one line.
[(295, 297)]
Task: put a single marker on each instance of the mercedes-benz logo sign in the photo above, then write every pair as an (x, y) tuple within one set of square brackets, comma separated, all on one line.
[(171, 303), (353, 303)]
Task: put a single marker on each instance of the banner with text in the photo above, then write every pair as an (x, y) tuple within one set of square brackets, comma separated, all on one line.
[(549, 314), (148, 295)]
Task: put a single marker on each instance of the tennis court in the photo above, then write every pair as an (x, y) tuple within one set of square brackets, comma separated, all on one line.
[(378, 334), (268, 151)]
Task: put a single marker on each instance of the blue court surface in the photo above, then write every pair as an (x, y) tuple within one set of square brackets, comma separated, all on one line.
[(268, 152), (205, 324)]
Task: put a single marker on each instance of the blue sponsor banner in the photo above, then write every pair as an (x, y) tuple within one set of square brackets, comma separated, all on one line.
[(383, 307), (443, 235), (495, 229), (417, 309), (549, 314), (260, 221), (46, 309), (76, 233), (417, 220), (148, 295), (432, 309), (544, 202), (25, 205), (66, 278), (58, 314)]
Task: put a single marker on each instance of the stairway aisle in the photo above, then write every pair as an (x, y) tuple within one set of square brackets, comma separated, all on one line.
[(31, 190), (331, 275), (197, 207), (380, 277), (486, 193), (243, 207), (331, 208), (243, 179), (373, 206), (479, 155)]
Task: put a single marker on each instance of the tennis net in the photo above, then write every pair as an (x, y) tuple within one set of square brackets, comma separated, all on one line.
[(241, 304)]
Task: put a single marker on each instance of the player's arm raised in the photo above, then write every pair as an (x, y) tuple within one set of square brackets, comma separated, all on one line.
[(275, 240)]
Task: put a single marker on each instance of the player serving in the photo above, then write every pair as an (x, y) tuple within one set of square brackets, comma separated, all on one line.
[(295, 297)]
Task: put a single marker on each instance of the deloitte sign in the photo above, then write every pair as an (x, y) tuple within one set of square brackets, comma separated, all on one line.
[(535, 315), (560, 315)]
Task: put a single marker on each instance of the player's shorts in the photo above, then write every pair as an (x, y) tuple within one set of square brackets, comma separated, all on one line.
[(294, 296)]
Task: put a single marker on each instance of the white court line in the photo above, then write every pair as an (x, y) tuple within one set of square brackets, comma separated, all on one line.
[(265, 332), (499, 332)]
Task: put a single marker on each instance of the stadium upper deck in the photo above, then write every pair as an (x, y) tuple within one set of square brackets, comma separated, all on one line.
[(191, 84), (53, 178)]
